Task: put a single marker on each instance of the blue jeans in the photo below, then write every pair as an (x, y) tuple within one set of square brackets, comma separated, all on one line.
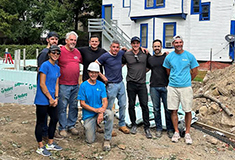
[(68, 96), (90, 125), (158, 93), (117, 90)]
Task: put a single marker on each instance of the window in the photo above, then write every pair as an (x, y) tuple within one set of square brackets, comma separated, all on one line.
[(195, 6), (126, 4), (169, 31), (150, 4), (205, 12), (144, 35)]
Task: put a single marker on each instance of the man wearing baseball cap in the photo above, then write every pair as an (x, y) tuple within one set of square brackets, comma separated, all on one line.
[(181, 67), (136, 61)]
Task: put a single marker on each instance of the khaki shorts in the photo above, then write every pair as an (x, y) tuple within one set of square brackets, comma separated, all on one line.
[(176, 95)]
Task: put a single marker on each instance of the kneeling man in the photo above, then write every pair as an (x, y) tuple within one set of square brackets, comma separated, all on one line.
[(93, 100)]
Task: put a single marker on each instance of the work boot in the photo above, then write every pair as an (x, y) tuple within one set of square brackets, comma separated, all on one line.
[(124, 129), (63, 133), (106, 145), (74, 131)]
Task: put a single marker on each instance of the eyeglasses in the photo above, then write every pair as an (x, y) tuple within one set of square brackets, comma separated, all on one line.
[(137, 58), (55, 52)]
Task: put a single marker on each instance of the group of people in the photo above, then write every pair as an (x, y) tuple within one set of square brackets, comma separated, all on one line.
[(58, 88)]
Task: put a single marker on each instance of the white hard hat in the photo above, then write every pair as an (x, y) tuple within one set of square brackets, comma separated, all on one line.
[(93, 66)]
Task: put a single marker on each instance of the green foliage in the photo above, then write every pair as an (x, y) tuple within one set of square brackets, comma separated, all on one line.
[(24, 20), (30, 50)]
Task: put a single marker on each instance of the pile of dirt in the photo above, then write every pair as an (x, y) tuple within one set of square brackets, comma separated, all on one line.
[(219, 84)]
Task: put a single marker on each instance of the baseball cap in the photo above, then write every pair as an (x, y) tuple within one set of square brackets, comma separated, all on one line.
[(52, 34), (177, 37), (54, 48), (135, 39)]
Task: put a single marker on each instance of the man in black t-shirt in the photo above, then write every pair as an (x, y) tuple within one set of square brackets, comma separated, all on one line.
[(136, 61), (158, 90), (90, 54)]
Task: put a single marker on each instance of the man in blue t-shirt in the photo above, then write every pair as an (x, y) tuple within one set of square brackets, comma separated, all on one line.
[(181, 67), (112, 62), (93, 100)]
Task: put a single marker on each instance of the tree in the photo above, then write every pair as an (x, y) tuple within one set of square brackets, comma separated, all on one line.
[(24, 20)]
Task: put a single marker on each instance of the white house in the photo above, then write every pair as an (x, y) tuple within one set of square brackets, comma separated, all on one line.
[(202, 23)]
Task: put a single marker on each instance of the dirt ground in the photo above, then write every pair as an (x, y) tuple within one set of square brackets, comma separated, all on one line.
[(17, 139), (17, 123)]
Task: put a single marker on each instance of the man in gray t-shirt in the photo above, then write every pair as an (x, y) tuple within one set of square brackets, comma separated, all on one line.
[(136, 62)]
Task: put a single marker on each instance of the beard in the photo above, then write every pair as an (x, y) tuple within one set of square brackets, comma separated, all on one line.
[(72, 45), (157, 51)]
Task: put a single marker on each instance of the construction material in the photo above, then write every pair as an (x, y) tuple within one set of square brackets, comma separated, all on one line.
[(226, 110), (221, 135)]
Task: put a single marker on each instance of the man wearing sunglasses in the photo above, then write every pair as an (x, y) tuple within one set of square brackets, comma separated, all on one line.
[(52, 39), (136, 62)]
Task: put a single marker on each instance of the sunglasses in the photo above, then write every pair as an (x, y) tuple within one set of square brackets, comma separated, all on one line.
[(55, 52), (137, 58)]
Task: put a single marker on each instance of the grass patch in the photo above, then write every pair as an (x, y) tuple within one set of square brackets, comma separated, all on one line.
[(200, 76)]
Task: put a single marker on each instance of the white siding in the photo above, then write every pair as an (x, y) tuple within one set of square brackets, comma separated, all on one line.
[(199, 36), (171, 7)]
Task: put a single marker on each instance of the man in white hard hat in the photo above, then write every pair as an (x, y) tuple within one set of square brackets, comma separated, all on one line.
[(93, 100)]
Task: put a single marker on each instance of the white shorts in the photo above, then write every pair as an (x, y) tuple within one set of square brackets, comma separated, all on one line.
[(176, 95)]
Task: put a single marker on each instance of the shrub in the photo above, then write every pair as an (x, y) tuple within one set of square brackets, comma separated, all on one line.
[(30, 50)]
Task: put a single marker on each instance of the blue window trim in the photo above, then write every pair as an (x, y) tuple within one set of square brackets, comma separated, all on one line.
[(123, 4), (142, 25), (164, 32), (154, 5), (192, 6), (205, 18), (180, 15), (103, 10), (231, 45)]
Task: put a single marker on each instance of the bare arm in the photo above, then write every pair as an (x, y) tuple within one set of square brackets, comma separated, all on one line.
[(194, 73), (56, 92), (44, 88), (101, 115), (168, 71), (96, 110), (102, 76)]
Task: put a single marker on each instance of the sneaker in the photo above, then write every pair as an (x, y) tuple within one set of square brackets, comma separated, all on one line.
[(106, 145), (188, 139), (53, 147), (148, 134), (57, 136), (74, 131), (175, 138), (159, 134), (43, 151), (170, 134), (63, 133), (133, 129)]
